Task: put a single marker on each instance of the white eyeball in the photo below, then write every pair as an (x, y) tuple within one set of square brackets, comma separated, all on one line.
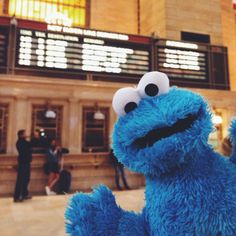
[(153, 84), (125, 100)]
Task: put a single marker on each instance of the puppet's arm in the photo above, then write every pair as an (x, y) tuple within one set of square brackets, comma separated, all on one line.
[(97, 214), (132, 224)]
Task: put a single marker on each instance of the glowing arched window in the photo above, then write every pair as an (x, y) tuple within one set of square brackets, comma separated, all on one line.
[(39, 10)]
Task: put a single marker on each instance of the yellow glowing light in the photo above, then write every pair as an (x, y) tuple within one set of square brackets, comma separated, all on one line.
[(64, 12), (57, 18)]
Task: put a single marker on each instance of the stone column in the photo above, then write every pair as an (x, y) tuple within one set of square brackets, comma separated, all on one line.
[(74, 126), (21, 118)]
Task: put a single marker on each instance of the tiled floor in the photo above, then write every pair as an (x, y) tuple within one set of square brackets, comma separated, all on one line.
[(44, 215)]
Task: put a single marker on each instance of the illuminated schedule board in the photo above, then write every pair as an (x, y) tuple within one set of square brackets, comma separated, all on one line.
[(82, 50), (183, 60), (3, 46)]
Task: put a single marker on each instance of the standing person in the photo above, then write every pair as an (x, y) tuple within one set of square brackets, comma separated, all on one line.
[(226, 147), (54, 154), (119, 170), (23, 171)]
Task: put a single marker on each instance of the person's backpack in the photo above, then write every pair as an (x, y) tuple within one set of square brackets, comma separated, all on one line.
[(64, 182)]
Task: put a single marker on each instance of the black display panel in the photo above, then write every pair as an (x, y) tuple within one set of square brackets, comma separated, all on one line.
[(45, 50), (3, 46), (182, 60)]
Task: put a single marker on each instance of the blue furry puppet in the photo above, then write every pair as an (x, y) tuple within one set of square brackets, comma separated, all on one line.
[(191, 190)]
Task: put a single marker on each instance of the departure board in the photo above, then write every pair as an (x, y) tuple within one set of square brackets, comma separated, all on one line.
[(72, 52), (3, 46), (182, 60)]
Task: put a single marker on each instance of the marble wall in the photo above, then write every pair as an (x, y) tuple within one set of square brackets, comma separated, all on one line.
[(117, 16), (20, 92), (23, 91), (86, 170), (228, 16)]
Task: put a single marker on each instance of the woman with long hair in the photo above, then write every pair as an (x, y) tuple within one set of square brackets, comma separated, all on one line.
[(54, 154)]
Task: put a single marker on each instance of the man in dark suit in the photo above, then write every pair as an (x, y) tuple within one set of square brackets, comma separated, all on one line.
[(23, 172)]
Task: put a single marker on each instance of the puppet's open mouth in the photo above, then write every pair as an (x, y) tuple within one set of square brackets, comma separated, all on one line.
[(157, 134)]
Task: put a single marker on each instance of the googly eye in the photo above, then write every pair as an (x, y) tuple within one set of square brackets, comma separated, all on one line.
[(125, 100), (153, 84)]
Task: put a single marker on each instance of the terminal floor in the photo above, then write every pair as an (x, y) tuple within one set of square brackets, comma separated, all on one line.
[(44, 215)]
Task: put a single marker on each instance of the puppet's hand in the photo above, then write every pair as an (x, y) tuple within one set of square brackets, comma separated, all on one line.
[(93, 214)]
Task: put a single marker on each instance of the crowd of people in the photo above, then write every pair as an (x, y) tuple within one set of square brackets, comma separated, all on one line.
[(53, 166), (54, 163)]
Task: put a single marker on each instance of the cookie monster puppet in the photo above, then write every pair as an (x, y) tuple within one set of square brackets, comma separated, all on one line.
[(162, 133)]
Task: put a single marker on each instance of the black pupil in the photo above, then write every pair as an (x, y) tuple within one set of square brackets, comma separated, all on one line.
[(151, 90), (130, 107)]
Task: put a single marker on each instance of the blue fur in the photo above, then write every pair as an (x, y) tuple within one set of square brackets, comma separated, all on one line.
[(191, 190), (232, 131)]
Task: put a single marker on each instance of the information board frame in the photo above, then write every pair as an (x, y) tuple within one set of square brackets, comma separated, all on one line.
[(4, 41), (139, 46)]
